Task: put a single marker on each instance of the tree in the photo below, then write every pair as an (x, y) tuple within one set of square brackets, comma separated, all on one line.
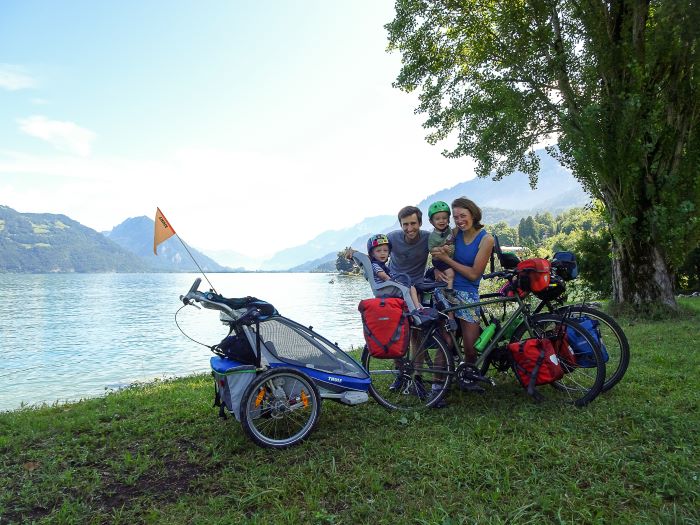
[(527, 231), (615, 82), (342, 263), (507, 236)]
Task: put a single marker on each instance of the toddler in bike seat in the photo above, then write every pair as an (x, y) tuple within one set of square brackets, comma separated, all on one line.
[(379, 249)]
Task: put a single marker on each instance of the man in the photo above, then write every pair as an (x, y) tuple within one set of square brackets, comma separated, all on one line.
[(409, 255), (409, 245)]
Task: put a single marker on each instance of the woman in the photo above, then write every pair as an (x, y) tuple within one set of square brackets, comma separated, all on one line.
[(472, 251)]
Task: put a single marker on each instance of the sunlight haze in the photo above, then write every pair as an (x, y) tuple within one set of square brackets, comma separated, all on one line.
[(254, 126)]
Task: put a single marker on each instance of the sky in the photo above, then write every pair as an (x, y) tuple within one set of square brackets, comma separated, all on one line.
[(253, 125)]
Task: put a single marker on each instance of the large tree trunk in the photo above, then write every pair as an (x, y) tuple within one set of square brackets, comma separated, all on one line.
[(641, 278)]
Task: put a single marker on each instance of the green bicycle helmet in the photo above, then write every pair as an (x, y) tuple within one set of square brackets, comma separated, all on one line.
[(437, 207)]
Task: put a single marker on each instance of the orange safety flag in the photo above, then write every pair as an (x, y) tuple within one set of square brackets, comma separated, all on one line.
[(163, 231)]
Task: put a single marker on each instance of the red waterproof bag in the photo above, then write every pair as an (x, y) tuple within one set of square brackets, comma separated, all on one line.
[(385, 326), (535, 362), (533, 275), (564, 352)]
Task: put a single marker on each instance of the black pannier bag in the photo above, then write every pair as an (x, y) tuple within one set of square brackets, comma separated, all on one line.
[(237, 348), (564, 263)]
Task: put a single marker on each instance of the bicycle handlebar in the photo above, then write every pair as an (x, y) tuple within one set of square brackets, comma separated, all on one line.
[(190, 295), (246, 313), (505, 274)]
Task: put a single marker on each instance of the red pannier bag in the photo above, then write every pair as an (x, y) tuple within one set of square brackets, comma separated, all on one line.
[(533, 275), (564, 352), (386, 327), (536, 362)]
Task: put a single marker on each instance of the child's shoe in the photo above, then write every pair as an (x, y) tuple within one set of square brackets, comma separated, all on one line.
[(450, 296)]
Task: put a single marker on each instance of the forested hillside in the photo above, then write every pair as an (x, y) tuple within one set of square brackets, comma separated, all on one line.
[(45, 242)]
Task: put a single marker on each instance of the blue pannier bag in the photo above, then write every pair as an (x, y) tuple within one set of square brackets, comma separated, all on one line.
[(582, 350)]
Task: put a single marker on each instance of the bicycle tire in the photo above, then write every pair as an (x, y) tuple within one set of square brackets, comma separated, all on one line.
[(407, 394), (280, 408), (614, 338), (580, 385)]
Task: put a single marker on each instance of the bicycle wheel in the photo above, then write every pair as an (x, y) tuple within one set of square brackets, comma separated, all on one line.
[(611, 335), (407, 383), (280, 408), (581, 382)]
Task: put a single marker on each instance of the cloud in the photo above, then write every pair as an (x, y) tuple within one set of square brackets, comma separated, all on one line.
[(14, 78), (64, 136)]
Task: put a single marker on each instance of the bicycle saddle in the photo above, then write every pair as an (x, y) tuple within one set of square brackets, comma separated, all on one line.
[(428, 286)]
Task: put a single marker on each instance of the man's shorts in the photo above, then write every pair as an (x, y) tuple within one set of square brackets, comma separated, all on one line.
[(470, 315)]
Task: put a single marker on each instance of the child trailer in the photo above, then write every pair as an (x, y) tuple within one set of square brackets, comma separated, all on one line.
[(271, 372)]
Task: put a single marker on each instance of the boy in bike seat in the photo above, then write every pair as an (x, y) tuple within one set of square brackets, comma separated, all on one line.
[(379, 249)]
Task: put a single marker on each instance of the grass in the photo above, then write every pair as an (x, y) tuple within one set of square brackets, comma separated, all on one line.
[(160, 454)]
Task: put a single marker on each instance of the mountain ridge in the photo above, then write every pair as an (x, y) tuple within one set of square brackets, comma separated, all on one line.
[(557, 190), (55, 243)]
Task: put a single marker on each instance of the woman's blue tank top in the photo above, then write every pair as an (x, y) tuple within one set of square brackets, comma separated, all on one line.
[(465, 254)]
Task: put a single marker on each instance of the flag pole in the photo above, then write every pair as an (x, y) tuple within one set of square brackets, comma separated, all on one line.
[(195, 261), (163, 231)]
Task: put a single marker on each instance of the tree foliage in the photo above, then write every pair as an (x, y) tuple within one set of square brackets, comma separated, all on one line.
[(615, 83)]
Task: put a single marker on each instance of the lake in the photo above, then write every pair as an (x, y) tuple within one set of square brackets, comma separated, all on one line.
[(64, 337)]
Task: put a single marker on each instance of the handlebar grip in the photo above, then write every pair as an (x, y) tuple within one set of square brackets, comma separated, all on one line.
[(195, 285)]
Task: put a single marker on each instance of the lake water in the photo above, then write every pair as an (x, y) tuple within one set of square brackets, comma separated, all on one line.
[(69, 336)]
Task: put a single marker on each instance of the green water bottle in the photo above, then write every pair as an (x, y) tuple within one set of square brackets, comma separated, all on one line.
[(485, 337)]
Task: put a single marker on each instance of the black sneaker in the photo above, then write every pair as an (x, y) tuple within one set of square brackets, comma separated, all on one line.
[(398, 383), (443, 401), (471, 386)]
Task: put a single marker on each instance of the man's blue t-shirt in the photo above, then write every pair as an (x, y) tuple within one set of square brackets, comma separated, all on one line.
[(408, 258)]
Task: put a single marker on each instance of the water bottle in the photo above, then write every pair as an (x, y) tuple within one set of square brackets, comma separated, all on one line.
[(485, 337)]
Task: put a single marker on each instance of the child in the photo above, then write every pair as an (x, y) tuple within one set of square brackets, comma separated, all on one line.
[(378, 249), (439, 217)]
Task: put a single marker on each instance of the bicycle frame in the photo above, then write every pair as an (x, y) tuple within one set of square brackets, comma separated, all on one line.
[(482, 359)]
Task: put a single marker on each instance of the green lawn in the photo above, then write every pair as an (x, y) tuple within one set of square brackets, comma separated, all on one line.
[(160, 454)]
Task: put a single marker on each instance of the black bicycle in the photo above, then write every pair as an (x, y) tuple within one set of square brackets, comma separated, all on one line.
[(424, 375), (605, 329)]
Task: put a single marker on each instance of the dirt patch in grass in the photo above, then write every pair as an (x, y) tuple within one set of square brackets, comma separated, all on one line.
[(163, 486), (166, 484)]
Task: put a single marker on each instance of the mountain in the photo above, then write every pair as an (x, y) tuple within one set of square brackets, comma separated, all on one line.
[(136, 236), (322, 264), (514, 193), (508, 200), (44, 242), (236, 261), (326, 242)]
